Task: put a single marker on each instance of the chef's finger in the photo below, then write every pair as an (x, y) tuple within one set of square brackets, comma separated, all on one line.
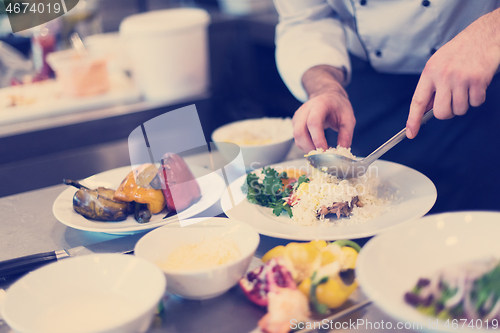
[(346, 129), (300, 131), (442, 104), (315, 125), (460, 100), (477, 95), (419, 103)]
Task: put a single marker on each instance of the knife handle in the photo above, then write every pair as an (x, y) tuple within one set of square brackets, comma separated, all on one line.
[(26, 264)]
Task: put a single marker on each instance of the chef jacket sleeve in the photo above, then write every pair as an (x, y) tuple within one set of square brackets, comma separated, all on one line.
[(309, 33)]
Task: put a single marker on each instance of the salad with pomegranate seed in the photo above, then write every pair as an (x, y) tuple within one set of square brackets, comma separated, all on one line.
[(299, 279)]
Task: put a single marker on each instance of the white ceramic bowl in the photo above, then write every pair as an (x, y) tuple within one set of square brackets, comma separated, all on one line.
[(101, 293), (256, 156), (157, 245), (390, 264)]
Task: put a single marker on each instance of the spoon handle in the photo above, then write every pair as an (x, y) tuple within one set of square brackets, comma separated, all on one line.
[(394, 141)]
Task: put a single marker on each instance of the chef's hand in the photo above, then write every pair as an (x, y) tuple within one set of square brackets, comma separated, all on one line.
[(328, 107), (458, 74)]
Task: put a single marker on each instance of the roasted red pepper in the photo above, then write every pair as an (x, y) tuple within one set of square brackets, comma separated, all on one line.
[(179, 186)]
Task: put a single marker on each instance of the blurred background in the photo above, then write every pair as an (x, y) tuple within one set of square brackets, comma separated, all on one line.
[(66, 111)]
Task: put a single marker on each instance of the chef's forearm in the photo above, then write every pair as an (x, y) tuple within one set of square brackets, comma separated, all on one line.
[(323, 79), (489, 26), (495, 26)]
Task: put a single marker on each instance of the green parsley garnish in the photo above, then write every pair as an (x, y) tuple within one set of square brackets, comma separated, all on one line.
[(270, 192)]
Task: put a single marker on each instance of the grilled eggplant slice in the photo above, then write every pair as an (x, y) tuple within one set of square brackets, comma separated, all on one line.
[(99, 205)]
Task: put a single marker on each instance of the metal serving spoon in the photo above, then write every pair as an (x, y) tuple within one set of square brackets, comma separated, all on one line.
[(345, 167)]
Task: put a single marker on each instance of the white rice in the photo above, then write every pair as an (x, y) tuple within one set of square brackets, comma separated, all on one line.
[(342, 151), (256, 131), (325, 189)]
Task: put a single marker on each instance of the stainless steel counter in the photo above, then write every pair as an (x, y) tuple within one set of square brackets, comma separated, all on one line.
[(28, 226)]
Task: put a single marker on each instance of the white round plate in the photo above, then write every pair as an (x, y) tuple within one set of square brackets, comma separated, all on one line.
[(211, 184), (390, 264), (415, 195)]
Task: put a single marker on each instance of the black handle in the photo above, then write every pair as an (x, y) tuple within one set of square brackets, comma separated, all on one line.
[(75, 184), (25, 264)]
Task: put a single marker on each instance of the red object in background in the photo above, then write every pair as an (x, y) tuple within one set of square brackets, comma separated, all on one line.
[(43, 42)]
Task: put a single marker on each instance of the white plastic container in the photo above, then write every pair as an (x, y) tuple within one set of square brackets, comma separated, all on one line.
[(109, 45), (80, 76), (169, 52)]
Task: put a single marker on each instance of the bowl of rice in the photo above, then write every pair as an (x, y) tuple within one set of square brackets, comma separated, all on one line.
[(202, 260), (262, 141)]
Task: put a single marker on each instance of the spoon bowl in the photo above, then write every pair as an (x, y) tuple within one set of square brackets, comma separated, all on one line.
[(345, 167), (338, 165)]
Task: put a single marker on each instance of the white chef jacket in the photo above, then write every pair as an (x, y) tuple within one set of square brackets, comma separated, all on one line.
[(395, 36)]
